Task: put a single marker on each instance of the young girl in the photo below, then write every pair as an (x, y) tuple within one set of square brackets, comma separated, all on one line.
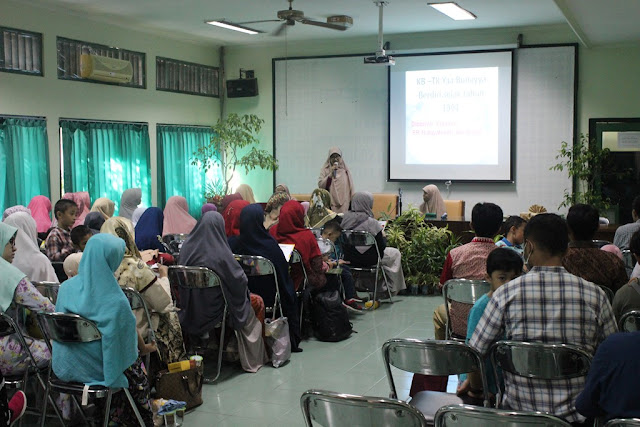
[(513, 232)]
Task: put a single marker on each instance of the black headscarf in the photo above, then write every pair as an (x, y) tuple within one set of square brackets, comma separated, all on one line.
[(94, 221), (255, 240), (202, 308)]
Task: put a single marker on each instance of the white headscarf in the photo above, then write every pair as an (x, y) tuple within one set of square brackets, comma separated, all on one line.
[(33, 263)]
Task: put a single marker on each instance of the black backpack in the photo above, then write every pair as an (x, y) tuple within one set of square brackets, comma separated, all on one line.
[(330, 317)]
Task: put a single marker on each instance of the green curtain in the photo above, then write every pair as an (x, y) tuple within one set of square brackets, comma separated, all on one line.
[(176, 175), (24, 161), (106, 158)]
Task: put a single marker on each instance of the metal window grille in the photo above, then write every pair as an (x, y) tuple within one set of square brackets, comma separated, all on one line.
[(21, 51), (186, 77), (69, 52)]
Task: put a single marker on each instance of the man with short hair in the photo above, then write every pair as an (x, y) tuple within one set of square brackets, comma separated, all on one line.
[(624, 232), (584, 258), (547, 305)]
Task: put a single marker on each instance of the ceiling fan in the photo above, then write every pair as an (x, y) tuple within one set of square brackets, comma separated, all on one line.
[(289, 17)]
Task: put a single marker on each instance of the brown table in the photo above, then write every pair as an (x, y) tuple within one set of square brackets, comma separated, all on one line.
[(462, 229)]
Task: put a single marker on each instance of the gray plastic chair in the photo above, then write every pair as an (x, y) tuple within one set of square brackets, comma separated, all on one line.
[(601, 243), (296, 258), (623, 422), (477, 416), (630, 321), (539, 361), (330, 409), (255, 265), (364, 238), (462, 291), (48, 289), (201, 278), (629, 261), (174, 242), (71, 328), (432, 357), (137, 302)]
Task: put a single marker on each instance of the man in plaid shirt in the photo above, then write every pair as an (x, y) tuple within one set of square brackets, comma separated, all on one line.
[(546, 305)]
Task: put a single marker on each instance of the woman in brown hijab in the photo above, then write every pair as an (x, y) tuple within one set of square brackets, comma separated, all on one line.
[(335, 177)]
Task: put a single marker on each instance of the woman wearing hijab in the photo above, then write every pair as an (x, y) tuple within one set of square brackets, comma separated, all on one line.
[(176, 217), (104, 206), (83, 201), (283, 188), (360, 217), (72, 264), (94, 221), (149, 229), (290, 229), (208, 207), (432, 201), (15, 288), (226, 200), (40, 207), (336, 178), (246, 192), (272, 209), (255, 240), (135, 217), (319, 209), (14, 209), (231, 217), (129, 202), (202, 309), (156, 291), (113, 361), (28, 259)]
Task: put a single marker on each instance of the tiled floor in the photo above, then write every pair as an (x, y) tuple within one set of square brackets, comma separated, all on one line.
[(271, 396)]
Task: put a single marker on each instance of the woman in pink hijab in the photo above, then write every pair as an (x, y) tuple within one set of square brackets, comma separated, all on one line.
[(40, 207), (82, 199), (335, 177), (176, 217)]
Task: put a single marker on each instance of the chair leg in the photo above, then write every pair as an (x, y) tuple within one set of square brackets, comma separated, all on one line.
[(375, 290), (107, 407), (133, 406), (221, 347), (44, 410), (386, 283)]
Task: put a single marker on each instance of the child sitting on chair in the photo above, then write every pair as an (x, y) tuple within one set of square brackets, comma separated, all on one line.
[(503, 265), (513, 234)]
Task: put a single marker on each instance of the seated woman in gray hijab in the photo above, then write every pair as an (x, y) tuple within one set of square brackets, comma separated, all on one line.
[(360, 217), (202, 309), (129, 202)]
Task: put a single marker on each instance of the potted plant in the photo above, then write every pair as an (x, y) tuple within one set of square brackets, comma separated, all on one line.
[(424, 249), (587, 165), (233, 146)]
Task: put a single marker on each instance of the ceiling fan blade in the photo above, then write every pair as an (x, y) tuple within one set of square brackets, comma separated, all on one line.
[(263, 20), (323, 24), (281, 28)]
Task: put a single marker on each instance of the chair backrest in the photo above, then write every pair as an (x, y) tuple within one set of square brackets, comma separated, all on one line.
[(48, 289), (385, 205), (326, 246), (316, 232), (454, 209), (623, 422), (538, 360), (330, 409), (601, 243), (7, 325), (174, 241), (135, 299), (464, 290), (430, 357), (255, 265), (358, 238), (478, 416), (630, 321), (296, 258), (608, 292), (68, 328), (193, 277)]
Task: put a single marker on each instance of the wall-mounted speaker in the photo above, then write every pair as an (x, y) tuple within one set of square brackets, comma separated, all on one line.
[(242, 88)]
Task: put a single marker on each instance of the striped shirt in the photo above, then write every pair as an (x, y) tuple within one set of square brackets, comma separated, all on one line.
[(546, 305)]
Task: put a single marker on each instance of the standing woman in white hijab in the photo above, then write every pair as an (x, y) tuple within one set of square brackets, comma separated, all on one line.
[(335, 177), (28, 259), (129, 202)]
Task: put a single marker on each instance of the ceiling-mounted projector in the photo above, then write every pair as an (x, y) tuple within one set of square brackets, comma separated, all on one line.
[(381, 57)]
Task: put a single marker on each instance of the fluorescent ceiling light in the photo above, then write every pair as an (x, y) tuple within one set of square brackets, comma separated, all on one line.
[(452, 10), (231, 26)]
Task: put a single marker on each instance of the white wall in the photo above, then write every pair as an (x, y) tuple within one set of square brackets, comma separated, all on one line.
[(52, 98)]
